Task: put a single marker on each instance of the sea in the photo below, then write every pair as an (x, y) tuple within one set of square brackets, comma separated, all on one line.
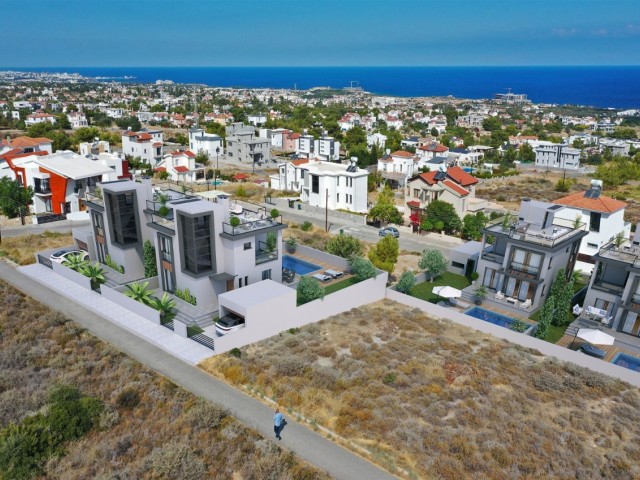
[(597, 86)]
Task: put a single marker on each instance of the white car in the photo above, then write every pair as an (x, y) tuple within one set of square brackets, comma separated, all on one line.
[(62, 255), (229, 323)]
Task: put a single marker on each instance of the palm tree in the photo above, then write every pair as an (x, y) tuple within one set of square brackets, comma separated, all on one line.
[(165, 306), (95, 274), (139, 292), (75, 262)]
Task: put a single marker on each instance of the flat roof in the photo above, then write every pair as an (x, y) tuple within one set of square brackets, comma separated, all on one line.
[(71, 165), (255, 293)]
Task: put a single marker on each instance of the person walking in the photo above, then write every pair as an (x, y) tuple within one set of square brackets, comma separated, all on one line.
[(277, 423)]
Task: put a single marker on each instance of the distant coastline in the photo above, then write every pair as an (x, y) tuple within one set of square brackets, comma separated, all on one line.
[(597, 86)]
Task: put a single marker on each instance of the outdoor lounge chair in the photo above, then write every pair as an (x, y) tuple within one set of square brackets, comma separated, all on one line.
[(526, 304), (607, 321), (592, 351), (499, 296), (333, 273), (288, 275), (322, 277)]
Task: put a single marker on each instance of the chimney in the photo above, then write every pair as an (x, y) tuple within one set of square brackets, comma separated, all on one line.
[(146, 182)]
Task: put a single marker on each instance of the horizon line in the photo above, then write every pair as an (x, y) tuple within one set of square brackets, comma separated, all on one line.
[(322, 66)]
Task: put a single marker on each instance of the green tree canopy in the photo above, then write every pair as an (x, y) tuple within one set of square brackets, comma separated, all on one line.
[(345, 246), (433, 262), (440, 211), (385, 254), (472, 226), (385, 208), (309, 289), (14, 198)]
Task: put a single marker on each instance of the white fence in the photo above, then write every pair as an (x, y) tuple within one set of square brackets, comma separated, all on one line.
[(72, 275), (136, 307), (542, 346), (281, 313)]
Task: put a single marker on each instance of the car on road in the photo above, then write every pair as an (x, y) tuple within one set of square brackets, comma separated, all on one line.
[(229, 323), (61, 255), (393, 231)]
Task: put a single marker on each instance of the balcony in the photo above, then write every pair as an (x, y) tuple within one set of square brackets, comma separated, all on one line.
[(91, 197), (625, 252), (489, 255), (161, 215), (252, 221), (555, 234), (522, 268), (612, 288), (263, 254)]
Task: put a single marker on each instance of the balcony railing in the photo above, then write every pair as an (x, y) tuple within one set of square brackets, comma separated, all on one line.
[(251, 221), (263, 254), (624, 251), (524, 268), (93, 198), (558, 232)]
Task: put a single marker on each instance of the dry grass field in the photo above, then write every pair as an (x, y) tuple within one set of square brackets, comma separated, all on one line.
[(22, 250), (430, 399), (150, 428)]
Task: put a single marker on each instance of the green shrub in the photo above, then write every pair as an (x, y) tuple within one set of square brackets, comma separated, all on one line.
[(234, 221), (345, 246), (113, 265), (186, 296), (306, 226), (149, 255), (362, 268), (406, 282), (309, 289)]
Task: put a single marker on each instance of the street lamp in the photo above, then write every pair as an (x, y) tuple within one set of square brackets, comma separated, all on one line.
[(215, 174)]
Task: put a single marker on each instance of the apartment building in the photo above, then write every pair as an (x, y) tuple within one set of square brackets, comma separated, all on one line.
[(325, 148), (244, 145), (520, 258), (557, 156)]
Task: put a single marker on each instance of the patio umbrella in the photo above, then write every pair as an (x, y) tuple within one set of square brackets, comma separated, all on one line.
[(447, 292), (597, 337)]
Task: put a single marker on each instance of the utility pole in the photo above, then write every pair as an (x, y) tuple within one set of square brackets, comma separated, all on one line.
[(326, 211)]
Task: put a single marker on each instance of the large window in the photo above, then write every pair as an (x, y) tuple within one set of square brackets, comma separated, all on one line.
[(490, 279), (526, 262), (315, 184), (594, 222), (167, 273), (196, 244), (124, 222)]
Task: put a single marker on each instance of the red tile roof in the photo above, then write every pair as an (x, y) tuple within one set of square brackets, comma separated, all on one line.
[(455, 187), (157, 144), (601, 204), (144, 136), (428, 177), (300, 161), (240, 176), (181, 169), (294, 136), (460, 176), (22, 142), (413, 203), (402, 153), (160, 169), (434, 147)]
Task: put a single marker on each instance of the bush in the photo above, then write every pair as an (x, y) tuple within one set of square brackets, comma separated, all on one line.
[(149, 255), (362, 268), (306, 226), (234, 221), (128, 399), (176, 461), (186, 296), (433, 262), (385, 254), (241, 192), (205, 415), (309, 289), (406, 282), (113, 265), (345, 246)]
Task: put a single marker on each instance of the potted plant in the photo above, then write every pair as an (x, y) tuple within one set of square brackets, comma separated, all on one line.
[(292, 244), (234, 221), (274, 214), (480, 293)]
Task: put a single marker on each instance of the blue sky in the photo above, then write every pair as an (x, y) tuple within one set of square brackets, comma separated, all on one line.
[(49, 33)]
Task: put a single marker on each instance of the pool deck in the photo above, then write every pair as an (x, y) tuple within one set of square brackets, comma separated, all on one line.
[(323, 266)]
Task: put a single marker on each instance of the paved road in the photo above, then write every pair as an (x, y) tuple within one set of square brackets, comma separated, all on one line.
[(307, 444), (62, 226)]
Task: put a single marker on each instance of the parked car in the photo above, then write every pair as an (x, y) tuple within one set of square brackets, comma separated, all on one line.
[(393, 231), (61, 255), (229, 323)]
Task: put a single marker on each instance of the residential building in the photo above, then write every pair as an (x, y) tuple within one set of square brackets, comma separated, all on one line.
[(94, 148), (324, 148), (557, 156), (521, 258), (145, 144), (454, 186), (39, 117), (244, 145), (603, 215), (377, 139), (181, 166), (196, 246), (77, 120), (616, 147), (431, 150), (398, 166), (348, 121), (26, 144), (209, 143), (470, 120), (615, 284), (257, 119)]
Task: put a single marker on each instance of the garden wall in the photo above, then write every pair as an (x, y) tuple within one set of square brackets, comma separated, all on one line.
[(282, 204), (546, 348), (136, 307), (280, 312), (325, 257), (72, 275)]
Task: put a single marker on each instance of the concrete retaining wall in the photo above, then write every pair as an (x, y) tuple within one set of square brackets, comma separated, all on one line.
[(136, 307), (282, 204), (546, 348), (281, 313), (72, 275), (335, 260)]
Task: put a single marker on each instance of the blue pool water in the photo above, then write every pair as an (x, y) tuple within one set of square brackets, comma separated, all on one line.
[(299, 266), (627, 361), (489, 316), (467, 169)]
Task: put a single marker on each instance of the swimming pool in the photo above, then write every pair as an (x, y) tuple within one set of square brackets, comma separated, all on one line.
[(493, 317), (299, 266), (627, 361)]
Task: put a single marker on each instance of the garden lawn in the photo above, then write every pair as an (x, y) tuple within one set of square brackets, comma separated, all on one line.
[(424, 290), (342, 284), (555, 333)]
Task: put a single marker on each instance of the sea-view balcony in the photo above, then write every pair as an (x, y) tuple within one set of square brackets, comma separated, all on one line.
[(263, 254), (622, 251), (560, 231)]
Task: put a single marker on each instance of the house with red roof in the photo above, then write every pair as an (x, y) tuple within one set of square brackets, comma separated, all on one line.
[(604, 217), (39, 117), (145, 144), (432, 150), (454, 186), (398, 167), (181, 166)]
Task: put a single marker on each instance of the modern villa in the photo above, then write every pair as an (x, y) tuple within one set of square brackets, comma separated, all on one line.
[(520, 258)]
